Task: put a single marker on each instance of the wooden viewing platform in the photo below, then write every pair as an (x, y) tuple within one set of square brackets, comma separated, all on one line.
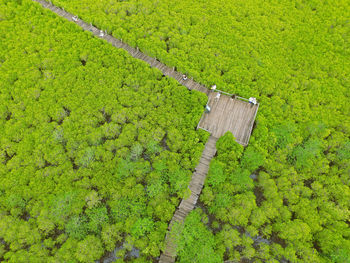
[(227, 114)]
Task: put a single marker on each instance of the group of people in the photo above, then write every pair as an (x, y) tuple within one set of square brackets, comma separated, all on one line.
[(251, 100), (213, 88)]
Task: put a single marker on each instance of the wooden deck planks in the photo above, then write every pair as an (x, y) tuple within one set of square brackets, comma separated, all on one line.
[(229, 115)]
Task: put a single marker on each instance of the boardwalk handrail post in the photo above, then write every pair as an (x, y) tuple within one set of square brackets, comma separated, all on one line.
[(251, 127)]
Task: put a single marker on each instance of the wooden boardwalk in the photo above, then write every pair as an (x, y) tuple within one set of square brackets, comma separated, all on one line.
[(187, 205), (226, 114), (236, 115), (229, 114), (134, 52)]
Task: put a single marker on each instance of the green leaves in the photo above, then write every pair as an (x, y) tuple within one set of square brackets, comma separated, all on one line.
[(76, 227), (285, 134), (90, 249), (305, 155), (252, 159), (97, 217), (341, 255), (92, 140), (226, 145), (86, 157), (294, 231), (343, 152), (178, 180), (197, 243), (142, 226), (97, 148), (65, 205), (216, 174)]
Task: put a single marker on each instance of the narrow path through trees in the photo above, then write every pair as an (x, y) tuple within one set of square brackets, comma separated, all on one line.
[(225, 114), (189, 83)]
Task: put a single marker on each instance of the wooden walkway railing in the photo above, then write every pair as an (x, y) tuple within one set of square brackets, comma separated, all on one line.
[(187, 205)]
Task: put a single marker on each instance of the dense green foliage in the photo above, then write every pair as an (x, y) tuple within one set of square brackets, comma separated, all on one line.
[(96, 148), (294, 57), (265, 49), (297, 216), (196, 243)]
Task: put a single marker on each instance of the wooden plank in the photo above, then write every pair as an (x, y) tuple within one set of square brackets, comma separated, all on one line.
[(229, 115)]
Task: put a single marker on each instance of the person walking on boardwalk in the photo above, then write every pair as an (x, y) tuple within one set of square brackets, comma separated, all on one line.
[(252, 101)]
